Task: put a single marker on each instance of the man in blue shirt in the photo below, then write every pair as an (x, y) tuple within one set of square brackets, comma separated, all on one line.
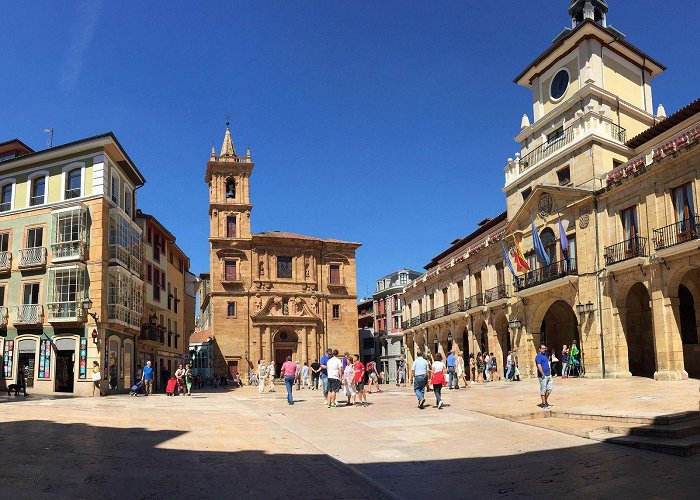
[(545, 376), (148, 378), (324, 371), (451, 371), (419, 370)]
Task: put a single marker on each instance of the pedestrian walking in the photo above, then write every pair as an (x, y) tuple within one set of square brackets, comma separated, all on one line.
[(297, 378), (554, 361), (472, 368), (438, 379), (401, 372), (516, 370), (461, 374), (180, 378), (148, 378), (324, 372), (289, 374), (565, 362), (262, 376), (544, 375), (188, 379), (271, 375), (334, 367), (494, 368), (315, 374), (419, 372), (372, 375), (96, 378), (305, 379), (479, 368), (451, 371), (509, 365), (359, 380), (349, 381), (487, 367)]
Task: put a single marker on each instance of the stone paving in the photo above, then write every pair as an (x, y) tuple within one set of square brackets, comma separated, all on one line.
[(239, 444)]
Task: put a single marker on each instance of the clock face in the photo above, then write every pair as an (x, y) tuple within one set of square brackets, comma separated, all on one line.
[(559, 84)]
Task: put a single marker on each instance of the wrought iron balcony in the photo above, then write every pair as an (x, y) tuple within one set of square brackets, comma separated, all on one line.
[(3, 316), (496, 293), (5, 207), (72, 193), (675, 234), (628, 249), (124, 315), (69, 250), (66, 311), (475, 300), (5, 262), (32, 257), (28, 314), (438, 312), (150, 333), (552, 272)]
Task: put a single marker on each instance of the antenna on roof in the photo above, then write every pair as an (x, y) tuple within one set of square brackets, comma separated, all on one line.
[(49, 141)]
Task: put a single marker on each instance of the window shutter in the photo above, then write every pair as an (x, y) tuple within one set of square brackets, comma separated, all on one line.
[(335, 274), (231, 227), (230, 270)]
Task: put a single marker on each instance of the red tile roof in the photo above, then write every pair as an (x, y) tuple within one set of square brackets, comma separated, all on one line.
[(199, 336), (295, 236)]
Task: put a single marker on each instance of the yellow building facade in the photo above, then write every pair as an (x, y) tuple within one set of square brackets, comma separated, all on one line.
[(271, 294), (599, 170)]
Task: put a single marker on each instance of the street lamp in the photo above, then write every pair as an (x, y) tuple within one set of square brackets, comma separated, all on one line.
[(436, 342), (580, 309), (87, 305), (589, 307)]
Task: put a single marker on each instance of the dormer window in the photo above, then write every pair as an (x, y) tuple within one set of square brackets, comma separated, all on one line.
[(230, 189)]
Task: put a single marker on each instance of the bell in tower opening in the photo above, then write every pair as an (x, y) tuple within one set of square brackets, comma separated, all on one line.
[(595, 10), (230, 189)]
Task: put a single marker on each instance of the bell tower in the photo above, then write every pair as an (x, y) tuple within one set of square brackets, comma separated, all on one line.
[(595, 10), (228, 176)]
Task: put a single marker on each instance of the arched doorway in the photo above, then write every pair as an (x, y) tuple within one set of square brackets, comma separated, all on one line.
[(639, 332), (484, 339), (284, 344), (560, 328), (689, 331)]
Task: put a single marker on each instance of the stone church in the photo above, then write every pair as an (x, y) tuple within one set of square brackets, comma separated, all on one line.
[(273, 294)]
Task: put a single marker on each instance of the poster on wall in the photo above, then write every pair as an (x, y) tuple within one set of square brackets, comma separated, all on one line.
[(7, 359), (45, 359), (82, 368)]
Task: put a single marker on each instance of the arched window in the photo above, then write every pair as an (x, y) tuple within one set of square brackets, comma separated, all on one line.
[(6, 198), (549, 241), (230, 189), (38, 191), (73, 181)]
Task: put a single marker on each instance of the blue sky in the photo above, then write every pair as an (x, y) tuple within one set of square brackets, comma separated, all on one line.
[(387, 123)]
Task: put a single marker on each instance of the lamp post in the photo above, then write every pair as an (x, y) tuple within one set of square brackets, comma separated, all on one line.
[(87, 305), (436, 343)]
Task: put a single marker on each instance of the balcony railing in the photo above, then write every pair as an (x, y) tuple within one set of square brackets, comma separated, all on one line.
[(675, 234), (151, 333), (135, 265), (552, 272), (5, 261), (438, 312), (3, 316), (5, 207), (628, 249), (68, 250), (120, 254), (123, 314), (66, 311), (72, 193), (28, 314), (36, 200), (475, 300), (496, 293), (32, 257)]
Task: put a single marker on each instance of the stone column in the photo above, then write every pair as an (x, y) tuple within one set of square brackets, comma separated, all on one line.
[(268, 339), (667, 337), (616, 353), (305, 345)]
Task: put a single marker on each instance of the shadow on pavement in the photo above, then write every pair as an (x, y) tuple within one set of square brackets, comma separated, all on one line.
[(46, 459)]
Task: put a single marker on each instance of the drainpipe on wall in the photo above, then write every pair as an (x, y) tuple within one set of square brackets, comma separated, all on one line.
[(597, 282)]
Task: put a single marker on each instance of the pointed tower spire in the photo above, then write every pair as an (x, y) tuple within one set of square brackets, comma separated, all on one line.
[(213, 153), (247, 154), (227, 148)]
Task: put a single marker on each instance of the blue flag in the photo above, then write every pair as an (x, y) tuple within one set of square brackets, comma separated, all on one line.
[(506, 257), (541, 253), (563, 241)]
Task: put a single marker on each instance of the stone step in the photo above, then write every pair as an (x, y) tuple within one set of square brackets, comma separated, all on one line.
[(683, 447), (689, 417)]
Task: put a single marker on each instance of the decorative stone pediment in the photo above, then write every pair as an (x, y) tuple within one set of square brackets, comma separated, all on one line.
[(545, 204), (296, 308)]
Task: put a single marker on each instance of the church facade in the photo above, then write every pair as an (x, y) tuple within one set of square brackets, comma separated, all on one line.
[(272, 294), (601, 200)]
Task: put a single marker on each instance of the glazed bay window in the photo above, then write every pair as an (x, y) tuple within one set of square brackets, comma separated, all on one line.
[(66, 291), (73, 182), (284, 267), (124, 298), (124, 242), (68, 234)]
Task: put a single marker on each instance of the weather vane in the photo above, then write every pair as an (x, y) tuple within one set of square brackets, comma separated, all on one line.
[(228, 119)]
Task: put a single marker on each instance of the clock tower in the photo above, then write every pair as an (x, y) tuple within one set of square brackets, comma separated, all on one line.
[(591, 92)]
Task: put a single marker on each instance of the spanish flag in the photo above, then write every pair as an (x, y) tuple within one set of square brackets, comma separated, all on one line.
[(519, 258)]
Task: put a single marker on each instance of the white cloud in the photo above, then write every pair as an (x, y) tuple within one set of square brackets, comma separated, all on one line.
[(82, 33)]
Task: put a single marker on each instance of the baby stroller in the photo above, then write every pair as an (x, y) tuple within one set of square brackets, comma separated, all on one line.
[(136, 388), (170, 387)]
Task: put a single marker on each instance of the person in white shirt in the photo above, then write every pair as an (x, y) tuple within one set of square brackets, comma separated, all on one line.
[(509, 365), (305, 379), (335, 374), (262, 375), (271, 375)]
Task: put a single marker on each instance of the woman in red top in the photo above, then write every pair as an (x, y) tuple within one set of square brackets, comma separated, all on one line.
[(289, 372), (359, 380)]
